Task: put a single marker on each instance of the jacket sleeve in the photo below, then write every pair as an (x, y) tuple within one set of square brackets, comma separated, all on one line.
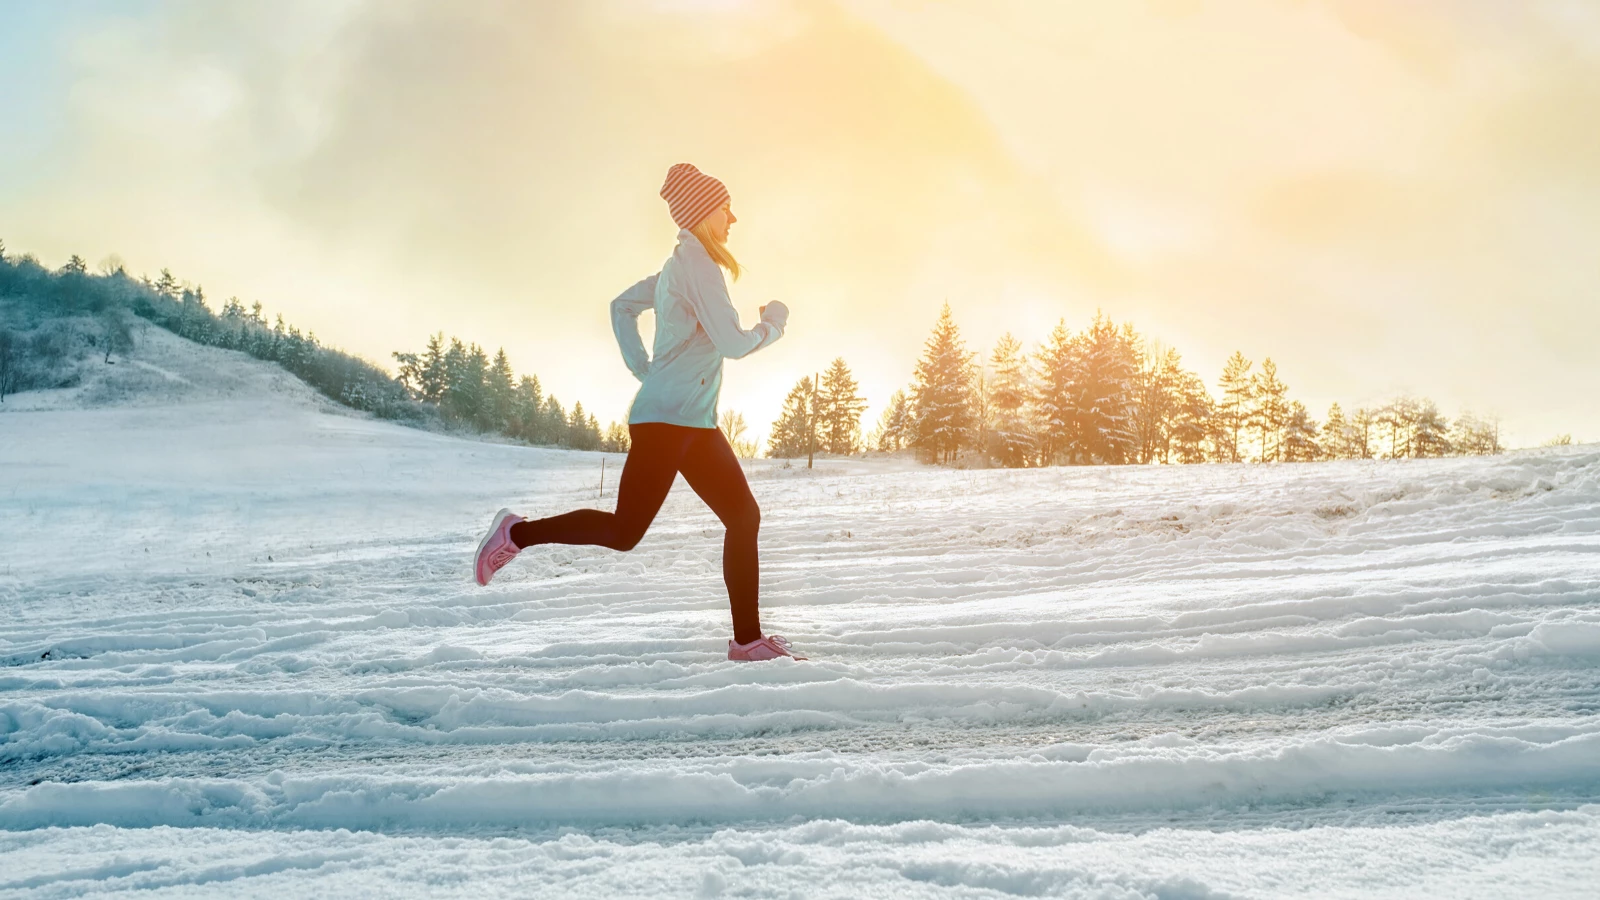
[(713, 308), (625, 312)]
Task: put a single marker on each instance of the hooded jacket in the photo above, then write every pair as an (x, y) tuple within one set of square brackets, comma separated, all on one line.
[(696, 329)]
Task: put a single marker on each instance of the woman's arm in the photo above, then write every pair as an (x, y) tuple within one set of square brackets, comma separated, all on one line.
[(713, 308), (625, 312)]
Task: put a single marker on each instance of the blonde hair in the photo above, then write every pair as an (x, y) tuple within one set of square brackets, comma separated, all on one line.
[(720, 254)]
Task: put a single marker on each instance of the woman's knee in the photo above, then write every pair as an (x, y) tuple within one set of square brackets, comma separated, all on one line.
[(627, 532), (627, 539), (746, 518)]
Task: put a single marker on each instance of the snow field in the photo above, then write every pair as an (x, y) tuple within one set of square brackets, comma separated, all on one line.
[(1542, 854), (242, 653)]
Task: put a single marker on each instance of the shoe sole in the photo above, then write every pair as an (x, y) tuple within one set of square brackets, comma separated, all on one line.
[(499, 519)]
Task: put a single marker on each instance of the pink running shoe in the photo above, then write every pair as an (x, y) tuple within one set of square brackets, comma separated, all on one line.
[(770, 647), (496, 549)]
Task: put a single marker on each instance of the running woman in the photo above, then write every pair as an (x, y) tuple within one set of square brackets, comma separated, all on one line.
[(673, 422)]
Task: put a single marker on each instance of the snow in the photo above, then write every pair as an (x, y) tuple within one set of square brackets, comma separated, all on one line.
[(241, 655)]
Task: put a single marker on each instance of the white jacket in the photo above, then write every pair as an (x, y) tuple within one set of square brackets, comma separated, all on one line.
[(696, 329)]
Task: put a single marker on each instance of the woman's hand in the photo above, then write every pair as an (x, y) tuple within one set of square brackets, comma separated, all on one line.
[(775, 314)]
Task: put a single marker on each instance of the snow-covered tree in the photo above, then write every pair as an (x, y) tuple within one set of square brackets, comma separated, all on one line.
[(1474, 436), (1233, 407), (1270, 412), (895, 425), (1111, 366), (839, 406), (10, 362), (1430, 434), (617, 439), (1361, 438), (1010, 440), (793, 435), (1299, 441), (499, 393), (1058, 395), (1397, 419), (1191, 426), (1337, 441), (526, 406), (553, 422), (942, 398), (167, 285), (115, 335)]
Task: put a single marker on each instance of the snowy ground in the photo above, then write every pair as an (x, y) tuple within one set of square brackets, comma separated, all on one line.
[(240, 654)]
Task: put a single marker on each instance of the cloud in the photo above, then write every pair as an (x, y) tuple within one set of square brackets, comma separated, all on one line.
[(1379, 196)]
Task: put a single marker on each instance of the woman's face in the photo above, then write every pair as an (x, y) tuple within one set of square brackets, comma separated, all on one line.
[(719, 220)]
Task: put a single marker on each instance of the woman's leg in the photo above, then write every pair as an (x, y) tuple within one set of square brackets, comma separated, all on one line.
[(654, 453), (712, 469)]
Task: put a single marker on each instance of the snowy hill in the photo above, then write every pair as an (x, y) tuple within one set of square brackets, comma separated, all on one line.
[(242, 655), (166, 370)]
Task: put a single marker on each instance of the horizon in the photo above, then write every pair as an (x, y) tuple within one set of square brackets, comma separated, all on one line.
[(1384, 201)]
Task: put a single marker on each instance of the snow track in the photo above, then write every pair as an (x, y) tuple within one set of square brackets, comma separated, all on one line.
[(241, 652)]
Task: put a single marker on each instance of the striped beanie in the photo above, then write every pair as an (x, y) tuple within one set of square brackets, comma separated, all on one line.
[(692, 195)]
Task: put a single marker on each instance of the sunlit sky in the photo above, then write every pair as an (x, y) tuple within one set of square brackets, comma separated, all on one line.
[(1384, 196)]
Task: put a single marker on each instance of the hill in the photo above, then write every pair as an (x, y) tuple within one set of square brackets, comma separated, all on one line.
[(242, 654)]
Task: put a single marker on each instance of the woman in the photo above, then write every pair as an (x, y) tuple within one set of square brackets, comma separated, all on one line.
[(673, 421)]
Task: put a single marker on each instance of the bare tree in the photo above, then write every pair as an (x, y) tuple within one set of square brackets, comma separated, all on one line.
[(10, 362), (115, 333), (734, 428)]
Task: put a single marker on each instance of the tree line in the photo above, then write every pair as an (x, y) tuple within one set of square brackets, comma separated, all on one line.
[(466, 386), (1106, 395), (1101, 395), (51, 317)]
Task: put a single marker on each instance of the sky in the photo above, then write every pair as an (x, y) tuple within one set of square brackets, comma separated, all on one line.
[(1383, 196)]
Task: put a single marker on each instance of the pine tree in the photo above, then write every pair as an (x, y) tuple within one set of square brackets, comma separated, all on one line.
[(1157, 404), (1011, 441), (1233, 409), (1474, 436), (166, 285), (839, 407), (617, 439), (433, 377), (475, 384), (408, 372), (1398, 419), (1191, 425), (792, 434), (894, 426), (942, 394), (1112, 364), (1336, 439), (1361, 422), (1271, 410), (525, 410), (583, 430), (553, 422), (1431, 431), (1299, 443), (1058, 396), (500, 393)]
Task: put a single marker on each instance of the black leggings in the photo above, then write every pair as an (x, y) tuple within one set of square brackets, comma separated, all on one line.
[(659, 452)]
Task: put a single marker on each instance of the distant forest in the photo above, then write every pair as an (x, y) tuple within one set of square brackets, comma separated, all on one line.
[(1103, 395), (49, 319), (1106, 395)]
